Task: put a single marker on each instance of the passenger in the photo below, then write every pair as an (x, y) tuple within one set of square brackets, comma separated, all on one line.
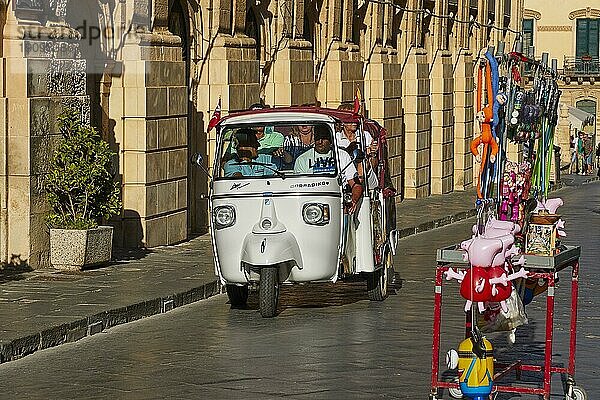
[(294, 145), (269, 140), (247, 161), (320, 159), (347, 139)]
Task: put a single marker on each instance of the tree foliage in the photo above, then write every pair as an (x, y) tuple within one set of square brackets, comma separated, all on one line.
[(80, 184)]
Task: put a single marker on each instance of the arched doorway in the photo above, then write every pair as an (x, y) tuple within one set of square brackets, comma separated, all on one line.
[(252, 29), (590, 107), (179, 24)]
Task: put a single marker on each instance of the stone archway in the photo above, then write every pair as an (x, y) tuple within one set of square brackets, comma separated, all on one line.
[(590, 105), (179, 24)]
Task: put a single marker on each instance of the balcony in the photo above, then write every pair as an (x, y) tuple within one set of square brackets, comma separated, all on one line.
[(581, 69)]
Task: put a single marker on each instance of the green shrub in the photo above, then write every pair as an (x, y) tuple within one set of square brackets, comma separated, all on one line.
[(80, 184)]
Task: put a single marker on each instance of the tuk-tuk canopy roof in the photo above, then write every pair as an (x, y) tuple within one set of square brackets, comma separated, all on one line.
[(292, 113)]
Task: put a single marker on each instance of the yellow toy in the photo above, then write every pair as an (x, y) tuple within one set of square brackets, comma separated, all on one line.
[(475, 368)]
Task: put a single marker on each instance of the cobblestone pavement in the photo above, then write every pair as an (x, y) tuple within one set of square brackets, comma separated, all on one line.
[(329, 341), (44, 308)]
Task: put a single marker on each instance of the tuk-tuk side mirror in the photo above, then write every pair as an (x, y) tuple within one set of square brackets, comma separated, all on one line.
[(197, 159)]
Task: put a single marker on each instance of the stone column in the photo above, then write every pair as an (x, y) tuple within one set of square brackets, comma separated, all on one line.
[(417, 120), (148, 105), (480, 32), (442, 124), (292, 78), (342, 74), (231, 72), (562, 134), (383, 89), (42, 74), (463, 121)]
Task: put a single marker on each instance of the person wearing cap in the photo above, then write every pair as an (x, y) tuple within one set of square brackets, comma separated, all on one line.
[(320, 159), (348, 140), (247, 161)]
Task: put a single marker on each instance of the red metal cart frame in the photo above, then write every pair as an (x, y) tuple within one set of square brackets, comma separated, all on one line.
[(538, 267)]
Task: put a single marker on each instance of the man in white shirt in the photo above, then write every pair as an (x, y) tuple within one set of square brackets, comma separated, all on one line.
[(320, 160), (347, 139)]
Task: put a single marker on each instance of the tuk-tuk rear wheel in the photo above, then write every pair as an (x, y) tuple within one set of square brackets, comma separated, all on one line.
[(268, 291), (238, 295), (377, 281)]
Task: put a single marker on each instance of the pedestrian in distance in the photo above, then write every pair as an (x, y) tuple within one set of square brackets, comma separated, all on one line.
[(588, 151)]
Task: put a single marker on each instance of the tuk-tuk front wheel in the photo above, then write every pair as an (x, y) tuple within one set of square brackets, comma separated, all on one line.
[(238, 295), (268, 291)]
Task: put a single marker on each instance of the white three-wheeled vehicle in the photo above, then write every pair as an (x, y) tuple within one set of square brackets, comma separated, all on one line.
[(282, 213)]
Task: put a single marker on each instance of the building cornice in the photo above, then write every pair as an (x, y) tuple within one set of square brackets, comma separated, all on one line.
[(527, 13), (584, 13)]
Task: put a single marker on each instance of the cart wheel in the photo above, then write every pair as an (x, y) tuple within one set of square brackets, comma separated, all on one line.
[(377, 281), (268, 291), (238, 295), (577, 394), (455, 393)]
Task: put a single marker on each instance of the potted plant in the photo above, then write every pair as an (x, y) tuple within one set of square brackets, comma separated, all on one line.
[(81, 191)]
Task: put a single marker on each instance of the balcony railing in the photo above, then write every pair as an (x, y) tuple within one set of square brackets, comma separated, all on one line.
[(581, 67)]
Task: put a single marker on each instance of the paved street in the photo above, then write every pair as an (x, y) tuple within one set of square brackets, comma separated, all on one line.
[(329, 341)]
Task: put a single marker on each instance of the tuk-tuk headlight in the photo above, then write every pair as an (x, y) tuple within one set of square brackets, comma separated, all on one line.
[(224, 216), (316, 213)]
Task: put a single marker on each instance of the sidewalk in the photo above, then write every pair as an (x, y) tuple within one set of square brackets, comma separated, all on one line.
[(44, 308)]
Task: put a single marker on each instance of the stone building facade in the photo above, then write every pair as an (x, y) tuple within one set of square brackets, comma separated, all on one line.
[(148, 73), (571, 34)]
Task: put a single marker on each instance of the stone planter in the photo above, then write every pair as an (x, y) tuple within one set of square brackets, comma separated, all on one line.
[(73, 249)]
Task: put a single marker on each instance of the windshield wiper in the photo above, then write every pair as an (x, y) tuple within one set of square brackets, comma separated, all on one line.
[(278, 173)]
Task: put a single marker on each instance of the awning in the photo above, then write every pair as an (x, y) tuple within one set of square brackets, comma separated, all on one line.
[(579, 118)]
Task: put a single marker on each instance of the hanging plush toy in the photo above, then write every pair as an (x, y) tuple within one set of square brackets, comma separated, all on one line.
[(485, 115), (490, 275)]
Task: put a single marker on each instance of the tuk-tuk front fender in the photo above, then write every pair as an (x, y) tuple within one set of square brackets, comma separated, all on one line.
[(261, 249)]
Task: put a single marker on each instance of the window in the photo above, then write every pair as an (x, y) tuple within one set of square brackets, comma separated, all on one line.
[(587, 38), (273, 150), (527, 35)]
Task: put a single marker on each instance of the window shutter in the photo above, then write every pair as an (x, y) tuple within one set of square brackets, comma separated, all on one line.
[(593, 35), (581, 47)]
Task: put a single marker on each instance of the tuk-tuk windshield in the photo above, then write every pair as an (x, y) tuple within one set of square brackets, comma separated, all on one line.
[(277, 150)]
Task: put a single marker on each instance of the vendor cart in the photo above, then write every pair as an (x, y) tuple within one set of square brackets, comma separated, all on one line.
[(538, 267)]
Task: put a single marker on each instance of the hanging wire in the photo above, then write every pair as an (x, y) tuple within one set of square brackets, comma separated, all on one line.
[(448, 17)]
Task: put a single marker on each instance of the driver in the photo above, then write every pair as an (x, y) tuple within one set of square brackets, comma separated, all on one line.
[(247, 161), (320, 159)]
